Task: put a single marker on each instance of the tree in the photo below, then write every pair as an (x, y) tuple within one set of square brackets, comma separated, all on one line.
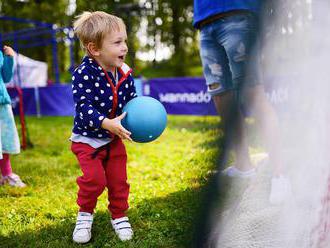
[(39, 11), (172, 22), (169, 24)]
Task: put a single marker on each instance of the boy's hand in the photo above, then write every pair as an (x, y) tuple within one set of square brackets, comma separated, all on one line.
[(7, 50), (114, 126)]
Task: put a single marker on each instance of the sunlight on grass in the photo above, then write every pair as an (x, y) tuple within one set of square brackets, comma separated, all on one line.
[(165, 178)]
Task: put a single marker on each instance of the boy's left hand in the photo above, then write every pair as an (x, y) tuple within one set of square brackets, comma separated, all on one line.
[(7, 50), (115, 127)]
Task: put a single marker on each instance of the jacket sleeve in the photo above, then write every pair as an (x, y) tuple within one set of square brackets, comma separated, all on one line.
[(83, 98), (131, 88), (7, 69)]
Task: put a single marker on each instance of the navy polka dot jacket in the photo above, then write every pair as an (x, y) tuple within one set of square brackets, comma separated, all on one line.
[(97, 96)]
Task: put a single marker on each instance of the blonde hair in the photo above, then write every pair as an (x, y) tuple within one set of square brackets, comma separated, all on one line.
[(93, 26)]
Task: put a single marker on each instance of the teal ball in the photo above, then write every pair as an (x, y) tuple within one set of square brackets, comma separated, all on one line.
[(146, 118)]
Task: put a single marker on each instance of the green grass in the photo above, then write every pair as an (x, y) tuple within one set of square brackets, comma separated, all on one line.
[(166, 177)]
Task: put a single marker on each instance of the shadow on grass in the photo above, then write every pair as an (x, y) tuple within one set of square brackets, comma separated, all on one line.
[(157, 222)]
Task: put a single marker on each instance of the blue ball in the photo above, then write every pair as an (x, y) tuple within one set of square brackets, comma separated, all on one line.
[(146, 118)]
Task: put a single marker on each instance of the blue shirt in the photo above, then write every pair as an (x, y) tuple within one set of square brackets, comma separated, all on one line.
[(97, 96), (204, 9)]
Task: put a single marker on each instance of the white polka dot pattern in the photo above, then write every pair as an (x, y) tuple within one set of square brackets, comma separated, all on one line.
[(94, 98)]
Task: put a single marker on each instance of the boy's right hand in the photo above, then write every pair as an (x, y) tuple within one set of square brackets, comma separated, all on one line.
[(115, 127)]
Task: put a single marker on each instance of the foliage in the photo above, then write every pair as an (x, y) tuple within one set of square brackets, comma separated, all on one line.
[(40, 11), (166, 177), (172, 22), (165, 69), (169, 22)]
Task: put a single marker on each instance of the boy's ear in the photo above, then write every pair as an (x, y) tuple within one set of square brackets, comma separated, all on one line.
[(93, 49)]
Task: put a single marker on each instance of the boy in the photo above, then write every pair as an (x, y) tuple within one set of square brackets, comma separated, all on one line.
[(102, 85)]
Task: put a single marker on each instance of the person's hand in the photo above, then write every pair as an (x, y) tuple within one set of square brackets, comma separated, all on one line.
[(114, 126), (7, 50)]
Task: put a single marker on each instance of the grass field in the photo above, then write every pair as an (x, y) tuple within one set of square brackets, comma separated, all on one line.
[(166, 177)]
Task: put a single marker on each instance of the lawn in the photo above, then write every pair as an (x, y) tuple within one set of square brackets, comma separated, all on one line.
[(166, 178)]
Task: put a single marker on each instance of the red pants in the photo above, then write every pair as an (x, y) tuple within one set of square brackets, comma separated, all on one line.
[(99, 173)]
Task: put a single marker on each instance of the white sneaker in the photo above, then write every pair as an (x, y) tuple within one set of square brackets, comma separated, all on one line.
[(280, 190), (122, 228), (13, 180), (232, 171), (83, 231)]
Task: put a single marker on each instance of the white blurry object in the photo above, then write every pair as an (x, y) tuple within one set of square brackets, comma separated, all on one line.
[(29, 72)]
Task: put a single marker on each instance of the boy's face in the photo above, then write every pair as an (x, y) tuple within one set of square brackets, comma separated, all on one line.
[(113, 51)]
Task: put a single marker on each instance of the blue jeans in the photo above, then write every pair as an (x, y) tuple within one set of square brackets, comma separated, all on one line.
[(226, 46)]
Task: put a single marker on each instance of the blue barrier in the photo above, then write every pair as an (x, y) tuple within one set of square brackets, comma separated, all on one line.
[(179, 95), (182, 96), (55, 100)]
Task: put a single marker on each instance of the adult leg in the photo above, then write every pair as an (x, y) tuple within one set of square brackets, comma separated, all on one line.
[(255, 101), (239, 42), (233, 127), (220, 85), (268, 125)]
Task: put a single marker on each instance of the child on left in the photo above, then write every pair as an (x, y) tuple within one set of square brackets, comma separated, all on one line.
[(9, 140)]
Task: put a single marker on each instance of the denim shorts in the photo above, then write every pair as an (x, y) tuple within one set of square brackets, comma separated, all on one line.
[(226, 47)]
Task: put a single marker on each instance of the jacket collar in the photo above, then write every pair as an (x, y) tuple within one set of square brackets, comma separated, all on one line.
[(123, 72)]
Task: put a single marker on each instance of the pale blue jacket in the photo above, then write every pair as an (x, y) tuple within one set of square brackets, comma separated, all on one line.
[(6, 74)]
